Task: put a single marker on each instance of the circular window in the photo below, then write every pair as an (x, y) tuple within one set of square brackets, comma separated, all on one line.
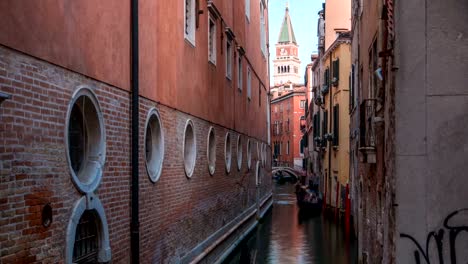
[(227, 152), (239, 152), (211, 151), (189, 148), (249, 154), (154, 145), (85, 140), (257, 174)]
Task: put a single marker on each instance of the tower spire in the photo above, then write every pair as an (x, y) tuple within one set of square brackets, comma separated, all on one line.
[(287, 33)]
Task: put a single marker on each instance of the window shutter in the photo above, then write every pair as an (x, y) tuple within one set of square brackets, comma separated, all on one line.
[(336, 125), (336, 69)]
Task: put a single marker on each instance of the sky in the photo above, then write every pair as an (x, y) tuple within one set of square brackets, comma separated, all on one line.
[(304, 15)]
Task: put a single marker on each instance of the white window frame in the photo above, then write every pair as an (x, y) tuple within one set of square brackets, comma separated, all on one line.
[(212, 40), (229, 52), (239, 73), (249, 83), (247, 10), (189, 21)]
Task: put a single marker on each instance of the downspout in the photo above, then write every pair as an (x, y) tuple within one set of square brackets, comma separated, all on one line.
[(329, 117), (135, 222)]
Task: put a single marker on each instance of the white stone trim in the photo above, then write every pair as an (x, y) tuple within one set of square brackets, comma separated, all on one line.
[(89, 202), (93, 165), (154, 167)]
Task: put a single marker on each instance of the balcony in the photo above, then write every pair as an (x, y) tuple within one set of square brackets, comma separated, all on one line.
[(367, 131)]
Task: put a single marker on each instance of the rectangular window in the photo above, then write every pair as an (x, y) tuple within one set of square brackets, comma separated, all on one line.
[(247, 10), (212, 40), (249, 84), (189, 17), (302, 104), (228, 58), (239, 73), (336, 72), (325, 126), (262, 29), (336, 125), (287, 148)]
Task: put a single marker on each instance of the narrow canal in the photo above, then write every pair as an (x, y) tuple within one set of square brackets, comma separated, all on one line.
[(287, 236)]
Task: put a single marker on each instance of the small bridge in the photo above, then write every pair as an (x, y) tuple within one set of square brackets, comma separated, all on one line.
[(289, 170)]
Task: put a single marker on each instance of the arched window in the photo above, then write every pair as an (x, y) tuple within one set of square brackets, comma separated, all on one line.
[(85, 249), (289, 69), (279, 69)]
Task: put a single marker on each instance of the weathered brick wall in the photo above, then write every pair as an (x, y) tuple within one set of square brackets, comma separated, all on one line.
[(176, 213)]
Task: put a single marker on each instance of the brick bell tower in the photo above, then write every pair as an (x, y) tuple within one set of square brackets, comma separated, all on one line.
[(287, 63)]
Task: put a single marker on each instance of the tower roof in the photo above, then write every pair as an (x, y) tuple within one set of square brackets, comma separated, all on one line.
[(286, 33)]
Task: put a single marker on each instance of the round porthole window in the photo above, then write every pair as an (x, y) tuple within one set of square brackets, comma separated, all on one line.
[(257, 174), (227, 152), (211, 151), (239, 152), (189, 148), (85, 140), (154, 145), (249, 154)]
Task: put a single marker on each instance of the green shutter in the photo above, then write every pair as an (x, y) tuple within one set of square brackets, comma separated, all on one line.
[(336, 125)]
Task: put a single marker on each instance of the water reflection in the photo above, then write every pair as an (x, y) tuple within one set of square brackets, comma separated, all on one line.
[(289, 236)]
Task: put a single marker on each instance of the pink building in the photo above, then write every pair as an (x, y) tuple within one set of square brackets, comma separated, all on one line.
[(102, 161)]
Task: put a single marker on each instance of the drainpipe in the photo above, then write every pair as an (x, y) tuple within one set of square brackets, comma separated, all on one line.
[(135, 222), (329, 117)]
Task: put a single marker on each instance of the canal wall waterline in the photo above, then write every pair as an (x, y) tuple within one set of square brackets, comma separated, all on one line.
[(217, 247)]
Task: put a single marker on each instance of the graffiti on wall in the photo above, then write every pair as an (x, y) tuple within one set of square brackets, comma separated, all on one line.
[(438, 238)]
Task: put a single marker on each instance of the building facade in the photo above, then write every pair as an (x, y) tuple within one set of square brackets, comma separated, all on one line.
[(328, 111), (288, 100), (137, 138), (408, 112)]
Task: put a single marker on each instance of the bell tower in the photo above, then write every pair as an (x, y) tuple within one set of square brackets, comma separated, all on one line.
[(287, 63)]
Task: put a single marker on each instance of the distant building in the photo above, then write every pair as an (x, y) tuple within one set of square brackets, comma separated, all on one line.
[(288, 100), (104, 158)]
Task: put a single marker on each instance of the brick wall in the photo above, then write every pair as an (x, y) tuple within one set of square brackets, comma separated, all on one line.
[(176, 213)]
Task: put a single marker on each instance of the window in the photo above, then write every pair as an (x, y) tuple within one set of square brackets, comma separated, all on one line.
[(249, 154), (85, 248), (189, 25), (249, 84), (239, 152), (227, 152), (287, 148), (336, 72), (302, 104), (336, 124), (247, 10), (262, 29), (154, 145), (211, 151), (189, 149), (86, 140), (228, 58), (212, 40), (239, 73)]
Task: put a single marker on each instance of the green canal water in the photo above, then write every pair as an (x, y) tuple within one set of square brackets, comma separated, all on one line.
[(285, 235)]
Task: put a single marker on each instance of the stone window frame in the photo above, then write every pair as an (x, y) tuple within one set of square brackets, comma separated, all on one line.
[(239, 152), (154, 175), (212, 163), (88, 202), (94, 166), (189, 21), (227, 152), (189, 169)]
